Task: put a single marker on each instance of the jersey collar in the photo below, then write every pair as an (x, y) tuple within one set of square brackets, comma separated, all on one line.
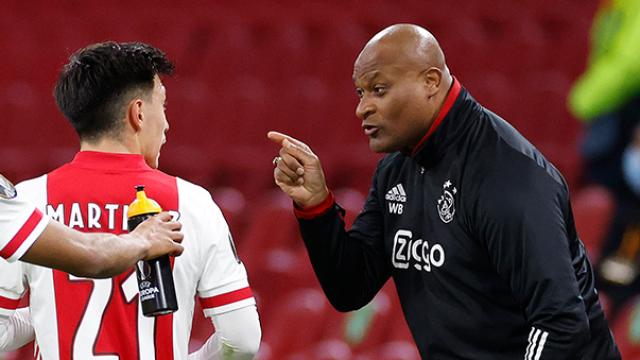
[(109, 161)]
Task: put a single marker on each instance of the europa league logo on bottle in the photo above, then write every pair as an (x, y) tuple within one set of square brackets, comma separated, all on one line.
[(155, 280), (144, 270)]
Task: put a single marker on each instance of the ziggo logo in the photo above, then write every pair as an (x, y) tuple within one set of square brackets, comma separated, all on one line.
[(407, 251)]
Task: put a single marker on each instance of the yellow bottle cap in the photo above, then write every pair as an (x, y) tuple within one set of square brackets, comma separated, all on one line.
[(142, 204)]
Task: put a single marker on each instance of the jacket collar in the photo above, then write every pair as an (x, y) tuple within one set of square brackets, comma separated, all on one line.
[(450, 123)]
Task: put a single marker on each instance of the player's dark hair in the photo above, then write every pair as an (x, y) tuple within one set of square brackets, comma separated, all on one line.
[(100, 80)]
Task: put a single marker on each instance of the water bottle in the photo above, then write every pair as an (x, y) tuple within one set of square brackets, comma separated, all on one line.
[(155, 281)]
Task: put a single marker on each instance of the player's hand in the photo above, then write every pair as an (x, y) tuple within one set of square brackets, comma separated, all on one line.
[(162, 234), (298, 171)]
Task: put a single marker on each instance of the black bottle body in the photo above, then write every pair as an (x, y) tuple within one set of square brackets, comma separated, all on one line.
[(155, 280)]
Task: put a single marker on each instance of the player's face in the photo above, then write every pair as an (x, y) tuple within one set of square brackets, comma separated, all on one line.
[(393, 103), (153, 132)]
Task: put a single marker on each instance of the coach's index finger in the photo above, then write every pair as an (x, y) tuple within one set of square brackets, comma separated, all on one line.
[(278, 138), (295, 147)]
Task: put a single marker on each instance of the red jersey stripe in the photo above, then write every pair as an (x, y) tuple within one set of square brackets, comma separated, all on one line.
[(9, 304), (22, 234), (226, 299)]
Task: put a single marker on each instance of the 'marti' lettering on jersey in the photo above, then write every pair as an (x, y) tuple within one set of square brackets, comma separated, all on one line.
[(88, 216), (92, 216)]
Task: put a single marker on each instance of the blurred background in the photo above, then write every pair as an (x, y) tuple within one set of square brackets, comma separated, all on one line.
[(246, 67)]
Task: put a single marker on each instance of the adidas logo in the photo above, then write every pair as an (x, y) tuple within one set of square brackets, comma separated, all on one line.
[(396, 194)]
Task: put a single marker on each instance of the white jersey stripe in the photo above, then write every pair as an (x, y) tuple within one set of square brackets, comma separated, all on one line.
[(541, 346), (526, 353), (531, 349), (401, 189)]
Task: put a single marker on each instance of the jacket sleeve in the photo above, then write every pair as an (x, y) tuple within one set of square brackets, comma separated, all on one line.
[(350, 264), (523, 222)]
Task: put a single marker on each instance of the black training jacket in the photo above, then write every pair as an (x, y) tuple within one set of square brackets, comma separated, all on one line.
[(476, 229)]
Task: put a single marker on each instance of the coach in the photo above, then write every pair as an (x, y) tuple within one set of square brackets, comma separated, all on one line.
[(471, 221)]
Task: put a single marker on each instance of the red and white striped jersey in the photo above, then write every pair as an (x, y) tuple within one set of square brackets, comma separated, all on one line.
[(79, 318), (20, 225)]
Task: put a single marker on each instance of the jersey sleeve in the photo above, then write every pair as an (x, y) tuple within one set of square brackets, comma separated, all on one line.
[(524, 224), (20, 225), (12, 287), (223, 285)]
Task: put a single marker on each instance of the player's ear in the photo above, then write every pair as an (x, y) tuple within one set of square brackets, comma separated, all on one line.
[(135, 115), (432, 78)]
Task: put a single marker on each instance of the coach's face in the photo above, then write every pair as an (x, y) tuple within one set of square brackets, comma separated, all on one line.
[(395, 104), (155, 125)]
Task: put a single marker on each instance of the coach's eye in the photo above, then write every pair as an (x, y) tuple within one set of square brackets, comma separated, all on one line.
[(379, 90), (360, 92)]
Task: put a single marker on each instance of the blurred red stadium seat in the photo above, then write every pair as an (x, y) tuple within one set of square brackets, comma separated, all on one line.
[(272, 226), (328, 349), (297, 323), (606, 302), (398, 350), (592, 210), (352, 201), (273, 252), (233, 205)]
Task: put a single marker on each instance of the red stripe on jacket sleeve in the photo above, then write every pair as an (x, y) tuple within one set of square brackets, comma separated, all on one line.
[(226, 299), (317, 210), (22, 234), (9, 304)]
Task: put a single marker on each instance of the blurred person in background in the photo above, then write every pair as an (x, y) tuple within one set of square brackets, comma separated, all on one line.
[(607, 99), (470, 220), (114, 98)]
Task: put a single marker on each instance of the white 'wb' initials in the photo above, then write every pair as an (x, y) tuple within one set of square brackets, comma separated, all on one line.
[(395, 208)]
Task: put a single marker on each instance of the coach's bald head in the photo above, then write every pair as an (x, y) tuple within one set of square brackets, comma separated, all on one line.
[(403, 44), (402, 79)]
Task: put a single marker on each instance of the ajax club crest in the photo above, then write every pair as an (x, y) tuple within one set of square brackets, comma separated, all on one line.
[(446, 202)]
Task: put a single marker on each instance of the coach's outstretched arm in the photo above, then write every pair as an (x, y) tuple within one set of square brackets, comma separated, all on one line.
[(101, 255), (350, 265)]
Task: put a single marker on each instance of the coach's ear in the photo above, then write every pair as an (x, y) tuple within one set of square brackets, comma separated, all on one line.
[(134, 114), (432, 78)]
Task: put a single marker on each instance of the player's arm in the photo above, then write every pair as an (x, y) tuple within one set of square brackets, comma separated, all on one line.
[(101, 255), (16, 330), (15, 324), (237, 336), (350, 265), (525, 230)]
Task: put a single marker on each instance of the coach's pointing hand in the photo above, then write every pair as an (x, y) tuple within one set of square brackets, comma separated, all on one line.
[(298, 171)]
